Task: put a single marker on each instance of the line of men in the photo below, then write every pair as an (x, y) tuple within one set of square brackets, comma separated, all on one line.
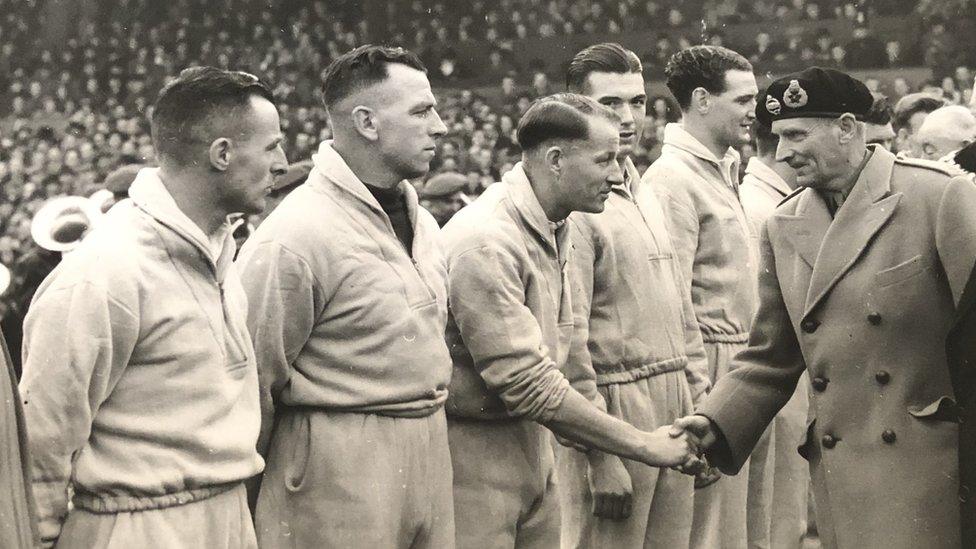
[(400, 385)]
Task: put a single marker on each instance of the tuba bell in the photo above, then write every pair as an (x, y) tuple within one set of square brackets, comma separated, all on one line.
[(62, 222)]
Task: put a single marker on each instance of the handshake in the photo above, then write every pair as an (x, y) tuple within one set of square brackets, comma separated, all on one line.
[(681, 445)]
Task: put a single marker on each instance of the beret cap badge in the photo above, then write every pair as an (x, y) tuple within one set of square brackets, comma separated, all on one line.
[(795, 96), (772, 105)]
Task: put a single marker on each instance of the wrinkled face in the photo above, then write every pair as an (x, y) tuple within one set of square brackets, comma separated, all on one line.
[(406, 121), (934, 146), (256, 158), (812, 147), (731, 113), (590, 168), (624, 93)]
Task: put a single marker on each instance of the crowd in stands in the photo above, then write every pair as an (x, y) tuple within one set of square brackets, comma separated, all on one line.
[(70, 115)]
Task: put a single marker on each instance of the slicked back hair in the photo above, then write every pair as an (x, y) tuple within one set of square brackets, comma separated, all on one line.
[(562, 116), (187, 106), (363, 67), (912, 104), (607, 57), (766, 140), (701, 67)]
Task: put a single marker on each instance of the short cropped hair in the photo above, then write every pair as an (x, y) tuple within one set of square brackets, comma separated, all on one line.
[(562, 116), (187, 106), (881, 111), (363, 67), (701, 67), (912, 104), (766, 140), (607, 57)]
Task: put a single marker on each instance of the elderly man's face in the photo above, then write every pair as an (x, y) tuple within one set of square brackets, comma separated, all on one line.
[(813, 148)]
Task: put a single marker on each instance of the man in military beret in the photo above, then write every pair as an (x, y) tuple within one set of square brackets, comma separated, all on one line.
[(443, 195), (862, 269)]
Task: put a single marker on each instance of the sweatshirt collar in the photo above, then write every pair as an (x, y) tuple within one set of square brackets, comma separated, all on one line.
[(528, 206), (330, 163), (766, 175), (677, 136), (150, 195)]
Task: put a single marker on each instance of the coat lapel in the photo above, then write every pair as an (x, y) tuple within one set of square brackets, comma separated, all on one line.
[(867, 209), (806, 228)]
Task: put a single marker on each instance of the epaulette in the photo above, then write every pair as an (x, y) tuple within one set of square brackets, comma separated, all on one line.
[(790, 196), (934, 165)]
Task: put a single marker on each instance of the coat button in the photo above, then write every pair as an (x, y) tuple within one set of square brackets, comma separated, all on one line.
[(883, 377), (809, 325), (819, 384), (874, 318), (828, 441), (888, 436), (963, 493)]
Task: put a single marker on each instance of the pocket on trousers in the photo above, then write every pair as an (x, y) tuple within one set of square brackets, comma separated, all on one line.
[(299, 455)]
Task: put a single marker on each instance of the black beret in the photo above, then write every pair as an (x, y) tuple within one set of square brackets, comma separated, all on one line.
[(814, 93)]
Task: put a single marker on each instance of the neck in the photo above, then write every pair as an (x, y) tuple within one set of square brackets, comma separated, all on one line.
[(365, 165), (546, 192), (190, 192), (844, 182), (697, 128)]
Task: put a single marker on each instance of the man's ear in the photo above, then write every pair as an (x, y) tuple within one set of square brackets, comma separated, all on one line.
[(847, 125), (554, 159), (701, 100), (220, 151), (364, 120)]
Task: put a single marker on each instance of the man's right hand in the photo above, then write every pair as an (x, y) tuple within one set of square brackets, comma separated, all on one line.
[(662, 449), (701, 432)]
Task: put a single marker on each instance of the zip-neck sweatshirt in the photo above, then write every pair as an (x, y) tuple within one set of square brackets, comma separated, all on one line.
[(342, 317), (634, 318), (710, 232), (140, 385)]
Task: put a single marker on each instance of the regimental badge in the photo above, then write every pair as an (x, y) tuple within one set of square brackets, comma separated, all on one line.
[(795, 96), (772, 105)]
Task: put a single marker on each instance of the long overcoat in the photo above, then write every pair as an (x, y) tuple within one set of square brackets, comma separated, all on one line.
[(863, 302)]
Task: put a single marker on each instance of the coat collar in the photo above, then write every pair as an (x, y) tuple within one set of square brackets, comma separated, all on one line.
[(766, 177), (832, 246), (530, 210), (150, 195)]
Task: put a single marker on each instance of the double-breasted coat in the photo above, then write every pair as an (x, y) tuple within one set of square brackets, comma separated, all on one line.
[(863, 302)]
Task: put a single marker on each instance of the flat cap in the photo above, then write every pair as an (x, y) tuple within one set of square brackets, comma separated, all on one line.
[(814, 93), (296, 175), (121, 178), (444, 184)]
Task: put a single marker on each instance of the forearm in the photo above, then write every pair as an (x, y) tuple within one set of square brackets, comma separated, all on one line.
[(579, 420)]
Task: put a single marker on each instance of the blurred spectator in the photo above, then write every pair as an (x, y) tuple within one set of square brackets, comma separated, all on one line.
[(878, 123), (946, 130), (909, 113), (865, 51)]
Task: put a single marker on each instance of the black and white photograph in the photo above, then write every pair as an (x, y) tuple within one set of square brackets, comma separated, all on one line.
[(488, 274)]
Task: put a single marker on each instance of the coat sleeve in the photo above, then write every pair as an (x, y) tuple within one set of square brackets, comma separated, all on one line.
[(763, 377), (503, 337), (585, 264), (77, 342), (955, 236), (283, 298)]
